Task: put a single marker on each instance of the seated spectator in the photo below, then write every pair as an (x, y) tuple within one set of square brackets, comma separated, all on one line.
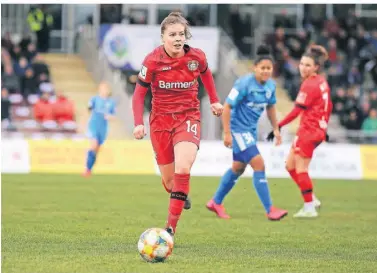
[(40, 67), (16, 53), (5, 105), (354, 76), (7, 42), (10, 79), (365, 108), (339, 101), (21, 66), (29, 84), (373, 99), (370, 126), (6, 121), (64, 109), (30, 52), (353, 121), (370, 123), (44, 109)]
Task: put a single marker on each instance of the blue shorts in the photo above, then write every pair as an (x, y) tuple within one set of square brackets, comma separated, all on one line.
[(247, 155), (98, 135)]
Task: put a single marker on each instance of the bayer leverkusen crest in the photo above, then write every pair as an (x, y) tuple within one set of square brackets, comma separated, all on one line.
[(193, 65)]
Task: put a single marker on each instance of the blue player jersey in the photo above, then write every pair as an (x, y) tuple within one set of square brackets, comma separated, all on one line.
[(99, 108), (248, 99)]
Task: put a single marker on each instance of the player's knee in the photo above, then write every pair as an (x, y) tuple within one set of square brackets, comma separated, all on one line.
[(257, 163), (238, 170)]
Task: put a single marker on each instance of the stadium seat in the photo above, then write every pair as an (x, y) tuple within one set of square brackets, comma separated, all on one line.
[(16, 99)]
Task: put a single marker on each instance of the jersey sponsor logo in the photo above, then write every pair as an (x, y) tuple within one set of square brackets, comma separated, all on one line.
[(175, 85), (167, 68), (301, 98), (143, 72), (256, 105), (193, 65)]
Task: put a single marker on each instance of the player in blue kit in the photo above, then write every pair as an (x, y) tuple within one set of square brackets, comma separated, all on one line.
[(102, 109), (250, 95)]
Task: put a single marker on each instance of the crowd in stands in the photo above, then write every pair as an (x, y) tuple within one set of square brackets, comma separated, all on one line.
[(351, 66), (29, 101)]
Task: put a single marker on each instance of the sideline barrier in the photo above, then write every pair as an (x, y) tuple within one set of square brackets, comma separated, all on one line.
[(116, 157), (331, 161)]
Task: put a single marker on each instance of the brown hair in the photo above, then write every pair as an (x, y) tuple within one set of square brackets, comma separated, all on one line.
[(176, 17), (318, 54)]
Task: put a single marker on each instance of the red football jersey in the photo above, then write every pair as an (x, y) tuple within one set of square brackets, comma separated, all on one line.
[(173, 81), (315, 98)]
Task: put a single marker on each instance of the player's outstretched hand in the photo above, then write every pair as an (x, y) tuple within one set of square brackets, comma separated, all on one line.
[(228, 140), (217, 109), (278, 137), (139, 132)]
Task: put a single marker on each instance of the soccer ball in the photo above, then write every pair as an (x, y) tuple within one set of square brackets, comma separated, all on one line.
[(155, 245)]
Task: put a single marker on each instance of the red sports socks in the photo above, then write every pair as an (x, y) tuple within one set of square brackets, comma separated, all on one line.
[(293, 174), (177, 198), (306, 186)]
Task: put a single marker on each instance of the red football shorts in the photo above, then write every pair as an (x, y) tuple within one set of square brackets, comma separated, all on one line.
[(168, 130), (305, 143)]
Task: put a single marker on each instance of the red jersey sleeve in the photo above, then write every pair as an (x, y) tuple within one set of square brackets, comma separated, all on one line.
[(203, 64), (145, 75), (307, 94)]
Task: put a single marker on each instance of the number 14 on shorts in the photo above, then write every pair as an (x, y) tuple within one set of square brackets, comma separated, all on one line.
[(193, 128)]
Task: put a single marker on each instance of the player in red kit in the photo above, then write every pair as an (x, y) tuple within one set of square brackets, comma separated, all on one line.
[(314, 103), (172, 70)]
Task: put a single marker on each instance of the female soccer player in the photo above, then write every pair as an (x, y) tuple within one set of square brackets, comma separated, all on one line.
[(172, 71), (242, 110), (314, 103), (102, 109)]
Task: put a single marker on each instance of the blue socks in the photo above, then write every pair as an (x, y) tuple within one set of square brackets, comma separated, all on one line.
[(261, 187), (90, 160), (226, 184), (260, 184)]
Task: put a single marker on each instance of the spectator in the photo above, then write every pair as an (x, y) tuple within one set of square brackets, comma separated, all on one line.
[(10, 79), (354, 76), (370, 125), (7, 42), (16, 53), (5, 105), (43, 109), (339, 101), (29, 84), (373, 99), (352, 51), (63, 109), (30, 52), (365, 108), (353, 120), (41, 69), (21, 66)]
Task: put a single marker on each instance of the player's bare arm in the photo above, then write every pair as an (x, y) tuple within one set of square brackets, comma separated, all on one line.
[(271, 113), (226, 125)]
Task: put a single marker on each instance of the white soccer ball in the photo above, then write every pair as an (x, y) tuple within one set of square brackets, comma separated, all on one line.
[(155, 245)]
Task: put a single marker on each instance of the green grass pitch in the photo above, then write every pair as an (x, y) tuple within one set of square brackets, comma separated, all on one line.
[(65, 223)]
